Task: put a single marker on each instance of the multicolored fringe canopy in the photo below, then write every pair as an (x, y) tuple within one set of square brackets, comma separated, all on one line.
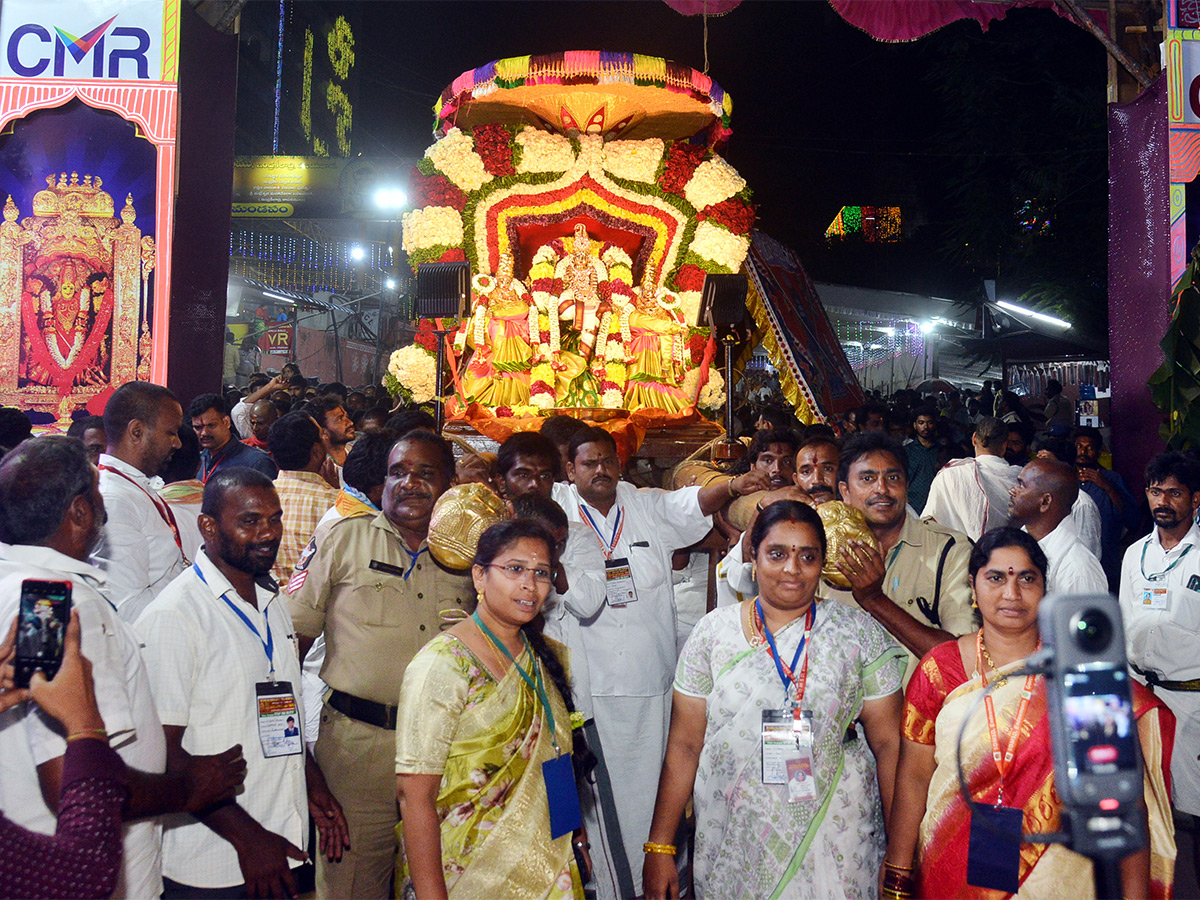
[(590, 91)]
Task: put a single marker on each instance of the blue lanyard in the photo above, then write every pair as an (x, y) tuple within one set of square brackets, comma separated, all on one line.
[(788, 676), (412, 559), (1178, 560), (268, 644), (609, 547)]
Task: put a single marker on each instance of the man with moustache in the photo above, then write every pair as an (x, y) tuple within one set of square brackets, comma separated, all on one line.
[(1159, 595), (924, 455), (142, 548), (51, 517), (218, 449), (372, 588), (219, 646), (630, 643)]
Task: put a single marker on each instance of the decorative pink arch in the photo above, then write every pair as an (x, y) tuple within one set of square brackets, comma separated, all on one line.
[(153, 107)]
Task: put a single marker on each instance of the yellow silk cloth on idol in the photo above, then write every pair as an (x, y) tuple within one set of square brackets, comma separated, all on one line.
[(647, 386), (495, 824), (498, 375)]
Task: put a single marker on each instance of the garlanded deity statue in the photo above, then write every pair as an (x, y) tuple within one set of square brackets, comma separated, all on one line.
[(581, 300), (499, 333), (655, 338), (64, 349)]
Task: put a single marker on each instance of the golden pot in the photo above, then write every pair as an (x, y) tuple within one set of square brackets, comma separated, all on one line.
[(842, 524), (459, 517)]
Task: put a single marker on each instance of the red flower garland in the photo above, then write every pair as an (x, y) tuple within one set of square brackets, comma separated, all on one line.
[(689, 278), (425, 335), (682, 160), (734, 214), (493, 143), (454, 254), (695, 345), (435, 190)]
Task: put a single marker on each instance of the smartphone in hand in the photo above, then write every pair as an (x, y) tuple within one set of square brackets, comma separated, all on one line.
[(42, 618)]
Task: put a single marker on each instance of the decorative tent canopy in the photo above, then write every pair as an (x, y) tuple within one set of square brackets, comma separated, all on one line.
[(590, 92)]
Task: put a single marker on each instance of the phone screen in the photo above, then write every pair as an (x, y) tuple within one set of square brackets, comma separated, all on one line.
[(41, 628), (1101, 728)]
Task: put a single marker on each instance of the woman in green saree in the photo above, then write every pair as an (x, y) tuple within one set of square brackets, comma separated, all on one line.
[(483, 706)]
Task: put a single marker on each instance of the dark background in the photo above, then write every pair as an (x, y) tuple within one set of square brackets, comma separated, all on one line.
[(993, 145)]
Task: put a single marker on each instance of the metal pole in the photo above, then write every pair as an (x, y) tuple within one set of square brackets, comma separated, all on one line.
[(729, 388), (440, 413)]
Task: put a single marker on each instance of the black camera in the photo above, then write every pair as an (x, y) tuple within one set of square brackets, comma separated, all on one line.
[(1097, 758)]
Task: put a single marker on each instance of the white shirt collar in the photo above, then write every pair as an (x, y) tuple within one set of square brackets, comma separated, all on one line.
[(126, 469), (221, 586), (46, 558), (1063, 535), (1192, 537)]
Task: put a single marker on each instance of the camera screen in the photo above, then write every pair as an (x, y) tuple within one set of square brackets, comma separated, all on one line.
[(1101, 728), (45, 610)]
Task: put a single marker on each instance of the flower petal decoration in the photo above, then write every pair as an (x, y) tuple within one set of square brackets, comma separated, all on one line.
[(726, 249), (432, 226), (455, 157), (713, 181)]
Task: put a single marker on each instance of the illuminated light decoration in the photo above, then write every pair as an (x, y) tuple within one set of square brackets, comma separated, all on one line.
[(306, 85), (338, 102), (871, 343), (340, 45), (301, 265), (874, 224), (279, 77)]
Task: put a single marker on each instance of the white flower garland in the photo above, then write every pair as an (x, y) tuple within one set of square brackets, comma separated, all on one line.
[(634, 160), (713, 181), (432, 226), (455, 157), (542, 151), (723, 247)]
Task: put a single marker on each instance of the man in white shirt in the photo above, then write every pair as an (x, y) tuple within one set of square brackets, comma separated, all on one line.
[(1159, 593), (1084, 512), (51, 515), (971, 495), (630, 642), (142, 549), (222, 656), (1041, 503)]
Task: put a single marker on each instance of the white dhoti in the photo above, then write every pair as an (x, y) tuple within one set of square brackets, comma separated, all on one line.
[(633, 742)]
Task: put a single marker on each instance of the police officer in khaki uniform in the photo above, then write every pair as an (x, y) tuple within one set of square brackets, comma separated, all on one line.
[(917, 588), (372, 587)]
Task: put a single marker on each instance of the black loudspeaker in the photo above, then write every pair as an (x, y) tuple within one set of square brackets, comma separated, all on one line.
[(722, 302), (442, 290)]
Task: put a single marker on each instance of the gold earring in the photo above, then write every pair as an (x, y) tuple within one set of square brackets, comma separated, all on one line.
[(479, 598), (753, 571), (974, 602)]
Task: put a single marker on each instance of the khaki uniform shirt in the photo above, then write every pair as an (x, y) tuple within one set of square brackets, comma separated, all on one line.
[(376, 602), (910, 580)]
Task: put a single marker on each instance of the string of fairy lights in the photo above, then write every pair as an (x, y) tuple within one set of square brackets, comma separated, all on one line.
[(874, 224), (869, 343), (305, 266)]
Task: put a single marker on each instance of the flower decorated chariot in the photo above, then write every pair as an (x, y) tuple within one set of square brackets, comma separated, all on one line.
[(587, 192)]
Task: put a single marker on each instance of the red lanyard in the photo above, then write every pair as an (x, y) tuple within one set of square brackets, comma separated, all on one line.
[(206, 474), (1002, 762), (760, 628), (164, 511), (606, 547)]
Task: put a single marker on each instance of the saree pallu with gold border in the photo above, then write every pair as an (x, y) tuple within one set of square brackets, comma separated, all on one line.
[(1048, 871), (488, 741)]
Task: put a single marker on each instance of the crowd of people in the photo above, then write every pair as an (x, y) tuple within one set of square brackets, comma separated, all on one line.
[(266, 663)]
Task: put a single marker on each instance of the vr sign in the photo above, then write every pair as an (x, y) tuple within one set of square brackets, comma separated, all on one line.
[(77, 39)]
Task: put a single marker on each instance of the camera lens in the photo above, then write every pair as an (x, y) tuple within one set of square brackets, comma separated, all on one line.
[(1092, 631)]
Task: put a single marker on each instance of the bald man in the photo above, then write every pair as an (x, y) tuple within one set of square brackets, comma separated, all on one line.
[(263, 414), (1041, 503)]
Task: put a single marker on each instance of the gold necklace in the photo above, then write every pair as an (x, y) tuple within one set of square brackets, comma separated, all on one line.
[(987, 657), (501, 669)]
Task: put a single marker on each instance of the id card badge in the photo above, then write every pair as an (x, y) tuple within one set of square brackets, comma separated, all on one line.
[(1155, 596), (778, 745), (565, 815), (278, 719), (801, 784), (994, 848), (618, 582)]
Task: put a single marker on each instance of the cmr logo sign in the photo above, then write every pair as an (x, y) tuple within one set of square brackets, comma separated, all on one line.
[(82, 39)]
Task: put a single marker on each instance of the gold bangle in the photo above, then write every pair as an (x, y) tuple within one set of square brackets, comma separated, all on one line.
[(665, 849), (729, 485), (98, 734), (897, 868)]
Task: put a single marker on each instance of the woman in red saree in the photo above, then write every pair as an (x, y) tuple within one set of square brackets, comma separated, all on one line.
[(930, 823)]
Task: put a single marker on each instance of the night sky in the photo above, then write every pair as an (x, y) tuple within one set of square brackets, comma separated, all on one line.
[(823, 115)]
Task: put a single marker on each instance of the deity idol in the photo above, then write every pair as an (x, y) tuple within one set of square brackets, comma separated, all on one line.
[(498, 374), (654, 353), (61, 345), (581, 300)]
